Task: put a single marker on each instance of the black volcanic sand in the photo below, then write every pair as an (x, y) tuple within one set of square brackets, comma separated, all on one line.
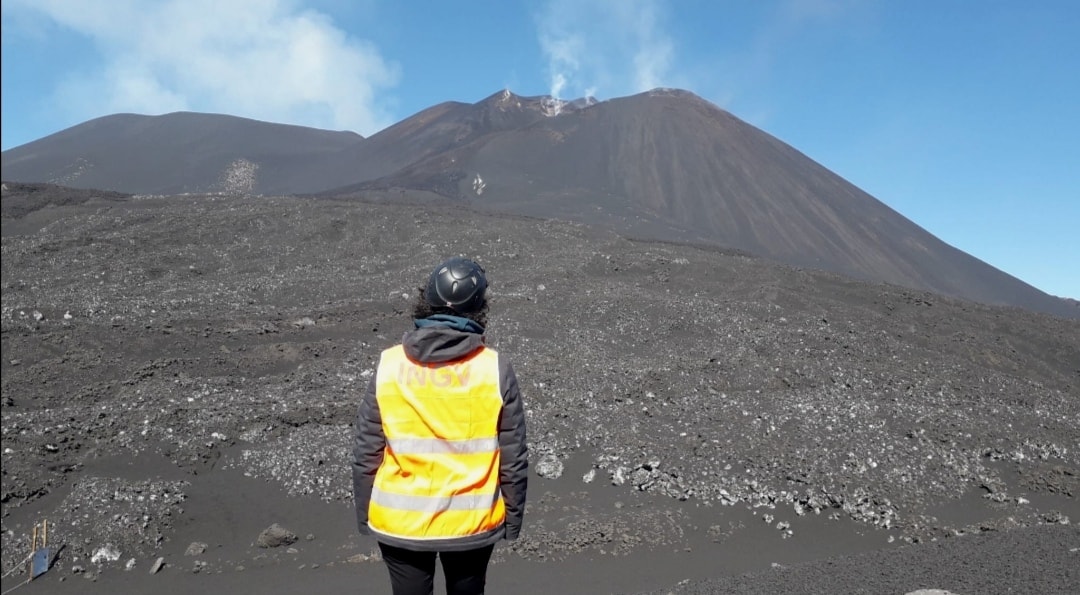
[(184, 370)]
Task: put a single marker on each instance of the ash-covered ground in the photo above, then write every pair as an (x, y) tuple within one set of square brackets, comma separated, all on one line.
[(183, 371)]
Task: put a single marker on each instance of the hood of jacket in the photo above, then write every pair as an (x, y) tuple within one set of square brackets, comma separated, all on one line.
[(435, 340)]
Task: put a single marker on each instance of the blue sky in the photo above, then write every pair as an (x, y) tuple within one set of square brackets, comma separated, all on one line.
[(964, 116)]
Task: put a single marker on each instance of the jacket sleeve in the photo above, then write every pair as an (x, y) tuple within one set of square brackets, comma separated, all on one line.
[(514, 453), (369, 443)]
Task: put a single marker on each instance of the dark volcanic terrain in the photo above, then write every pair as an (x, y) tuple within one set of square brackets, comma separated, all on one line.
[(180, 373), (663, 165)]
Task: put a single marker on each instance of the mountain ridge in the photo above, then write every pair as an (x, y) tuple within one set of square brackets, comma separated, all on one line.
[(663, 164)]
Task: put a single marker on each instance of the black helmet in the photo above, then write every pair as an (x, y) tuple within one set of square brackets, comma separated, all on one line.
[(459, 284)]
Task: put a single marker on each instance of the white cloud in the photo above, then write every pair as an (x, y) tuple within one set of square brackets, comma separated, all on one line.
[(614, 47), (264, 59)]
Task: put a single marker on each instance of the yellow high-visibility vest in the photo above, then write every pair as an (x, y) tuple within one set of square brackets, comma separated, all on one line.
[(439, 477)]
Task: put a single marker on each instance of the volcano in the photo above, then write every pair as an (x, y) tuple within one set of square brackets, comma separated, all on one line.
[(661, 165)]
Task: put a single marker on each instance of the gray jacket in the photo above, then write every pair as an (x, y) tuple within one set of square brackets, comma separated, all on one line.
[(435, 344)]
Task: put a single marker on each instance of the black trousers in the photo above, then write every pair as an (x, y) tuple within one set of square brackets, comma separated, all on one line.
[(413, 573)]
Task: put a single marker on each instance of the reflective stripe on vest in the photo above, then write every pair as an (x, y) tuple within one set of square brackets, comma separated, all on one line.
[(439, 477), (439, 446), (433, 503)]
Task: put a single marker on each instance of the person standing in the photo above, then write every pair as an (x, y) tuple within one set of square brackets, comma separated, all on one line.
[(440, 461)]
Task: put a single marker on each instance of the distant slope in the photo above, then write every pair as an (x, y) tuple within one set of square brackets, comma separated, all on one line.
[(427, 134), (173, 154), (664, 164)]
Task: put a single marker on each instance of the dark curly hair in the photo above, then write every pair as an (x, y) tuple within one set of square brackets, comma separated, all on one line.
[(422, 309)]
